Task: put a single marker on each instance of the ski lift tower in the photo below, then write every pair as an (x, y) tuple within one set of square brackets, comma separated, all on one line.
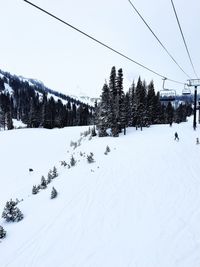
[(195, 83)]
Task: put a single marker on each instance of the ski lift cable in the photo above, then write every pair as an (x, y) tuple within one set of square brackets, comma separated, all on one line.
[(99, 42), (186, 47), (158, 39)]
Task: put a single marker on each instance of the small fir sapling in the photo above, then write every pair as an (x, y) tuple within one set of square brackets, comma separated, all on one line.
[(53, 193), (35, 190), (63, 163), (72, 161), (107, 150), (90, 158), (2, 232), (54, 172), (11, 212), (49, 176), (43, 184)]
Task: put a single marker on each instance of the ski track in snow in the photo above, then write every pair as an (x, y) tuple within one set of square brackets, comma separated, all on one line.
[(138, 206)]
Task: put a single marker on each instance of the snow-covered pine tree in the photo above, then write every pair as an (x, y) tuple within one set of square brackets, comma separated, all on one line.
[(35, 190), (43, 183), (104, 109), (53, 193), (107, 149), (169, 113), (141, 103), (54, 172), (120, 108), (11, 212), (8, 119), (113, 103), (151, 104), (49, 177), (90, 158), (2, 232), (72, 161), (63, 163)]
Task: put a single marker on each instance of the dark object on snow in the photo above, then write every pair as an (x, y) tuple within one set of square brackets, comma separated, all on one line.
[(197, 141), (176, 136), (30, 170), (2, 232)]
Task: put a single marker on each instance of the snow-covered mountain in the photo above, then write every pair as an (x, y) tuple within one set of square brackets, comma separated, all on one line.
[(137, 205), (86, 99), (37, 84), (29, 101)]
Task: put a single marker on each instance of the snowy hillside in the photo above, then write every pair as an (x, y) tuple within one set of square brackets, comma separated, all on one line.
[(137, 206)]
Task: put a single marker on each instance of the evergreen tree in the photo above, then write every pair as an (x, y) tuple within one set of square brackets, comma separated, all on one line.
[(90, 158), (93, 132), (2, 86), (54, 172), (43, 183), (169, 113), (114, 104), (107, 150), (103, 120), (11, 212), (181, 114), (120, 107), (49, 177), (2, 232), (8, 120), (54, 193), (35, 190), (151, 104), (72, 161)]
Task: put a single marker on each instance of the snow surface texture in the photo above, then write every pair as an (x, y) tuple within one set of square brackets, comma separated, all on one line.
[(137, 206)]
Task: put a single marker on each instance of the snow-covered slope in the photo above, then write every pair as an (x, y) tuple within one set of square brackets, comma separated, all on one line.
[(139, 205)]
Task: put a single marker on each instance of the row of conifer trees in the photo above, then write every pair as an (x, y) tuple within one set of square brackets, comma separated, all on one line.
[(139, 107)]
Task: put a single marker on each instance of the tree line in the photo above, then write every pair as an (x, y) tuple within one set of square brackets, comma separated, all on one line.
[(139, 107), (32, 105)]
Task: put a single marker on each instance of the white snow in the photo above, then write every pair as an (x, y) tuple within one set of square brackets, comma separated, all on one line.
[(138, 206), (8, 88), (18, 124)]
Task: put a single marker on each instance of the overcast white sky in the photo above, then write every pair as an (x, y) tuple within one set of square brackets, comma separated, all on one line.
[(37, 46)]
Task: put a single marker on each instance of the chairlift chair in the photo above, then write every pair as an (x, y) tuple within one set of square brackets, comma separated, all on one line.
[(167, 95), (186, 91)]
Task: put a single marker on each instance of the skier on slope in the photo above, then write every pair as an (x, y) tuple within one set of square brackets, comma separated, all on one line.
[(176, 136)]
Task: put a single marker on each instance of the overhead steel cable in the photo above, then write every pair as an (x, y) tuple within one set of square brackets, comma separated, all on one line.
[(158, 39), (97, 41), (186, 47)]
